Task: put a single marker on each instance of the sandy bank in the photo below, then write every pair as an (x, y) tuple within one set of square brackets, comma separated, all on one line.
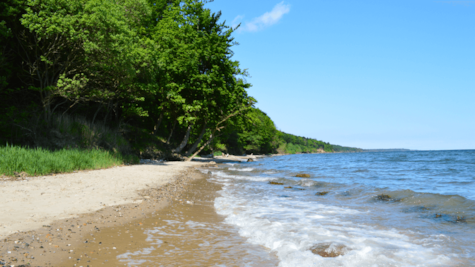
[(37, 201), (57, 220)]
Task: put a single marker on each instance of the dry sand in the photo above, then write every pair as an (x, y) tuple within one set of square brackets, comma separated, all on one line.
[(54, 220), (34, 202)]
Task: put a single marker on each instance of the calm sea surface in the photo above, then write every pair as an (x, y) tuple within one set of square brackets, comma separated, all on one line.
[(412, 208)]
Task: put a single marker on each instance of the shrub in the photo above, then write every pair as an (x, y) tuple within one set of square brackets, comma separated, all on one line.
[(72, 132)]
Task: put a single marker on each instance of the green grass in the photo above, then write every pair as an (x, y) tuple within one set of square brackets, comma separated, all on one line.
[(40, 161)]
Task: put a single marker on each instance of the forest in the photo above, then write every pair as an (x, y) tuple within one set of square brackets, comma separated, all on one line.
[(136, 78)]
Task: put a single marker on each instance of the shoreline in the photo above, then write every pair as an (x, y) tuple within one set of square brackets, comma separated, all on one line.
[(51, 215), (43, 210)]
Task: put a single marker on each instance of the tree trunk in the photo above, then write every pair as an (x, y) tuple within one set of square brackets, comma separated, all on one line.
[(197, 142), (185, 139), (155, 129), (171, 133), (218, 128), (211, 137), (95, 114)]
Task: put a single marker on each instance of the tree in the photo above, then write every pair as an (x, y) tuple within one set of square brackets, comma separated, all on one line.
[(81, 50)]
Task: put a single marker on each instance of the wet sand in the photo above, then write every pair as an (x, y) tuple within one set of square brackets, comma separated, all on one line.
[(187, 232), (97, 238), (53, 243), (29, 203)]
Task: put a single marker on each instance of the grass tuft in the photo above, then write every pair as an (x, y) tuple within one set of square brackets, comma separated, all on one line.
[(40, 161)]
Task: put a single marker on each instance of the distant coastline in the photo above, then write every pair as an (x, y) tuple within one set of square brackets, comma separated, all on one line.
[(387, 150)]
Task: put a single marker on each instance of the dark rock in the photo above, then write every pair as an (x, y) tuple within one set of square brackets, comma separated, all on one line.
[(328, 250), (321, 193), (288, 187), (250, 160), (21, 174), (383, 197), (276, 183), (303, 175)]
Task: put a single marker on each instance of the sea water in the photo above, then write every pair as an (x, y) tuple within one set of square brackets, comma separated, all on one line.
[(414, 208)]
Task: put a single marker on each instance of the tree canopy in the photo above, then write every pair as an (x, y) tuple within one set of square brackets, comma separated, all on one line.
[(161, 72)]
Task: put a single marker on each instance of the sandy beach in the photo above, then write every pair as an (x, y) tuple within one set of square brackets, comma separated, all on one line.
[(36, 201), (40, 209), (46, 219)]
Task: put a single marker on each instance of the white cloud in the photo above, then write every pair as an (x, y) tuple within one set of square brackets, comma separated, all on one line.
[(264, 21), (236, 21)]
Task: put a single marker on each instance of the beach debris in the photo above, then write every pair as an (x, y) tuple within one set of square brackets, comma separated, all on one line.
[(322, 193), (383, 197), (21, 174), (275, 183), (329, 250), (303, 175)]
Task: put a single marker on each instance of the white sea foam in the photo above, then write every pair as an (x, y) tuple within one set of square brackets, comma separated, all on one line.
[(291, 226), (127, 257), (228, 177), (241, 169)]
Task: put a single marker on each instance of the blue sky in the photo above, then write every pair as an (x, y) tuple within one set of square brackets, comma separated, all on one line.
[(368, 74)]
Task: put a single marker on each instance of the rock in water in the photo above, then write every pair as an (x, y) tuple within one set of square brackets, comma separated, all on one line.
[(383, 197), (303, 175), (250, 160), (329, 250)]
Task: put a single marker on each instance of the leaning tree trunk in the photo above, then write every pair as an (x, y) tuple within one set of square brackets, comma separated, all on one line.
[(218, 128), (155, 129), (211, 137), (171, 133), (197, 142), (95, 114), (185, 140)]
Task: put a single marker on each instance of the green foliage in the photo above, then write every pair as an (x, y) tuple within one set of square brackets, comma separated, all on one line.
[(256, 133), (143, 77), (41, 162), (292, 144)]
